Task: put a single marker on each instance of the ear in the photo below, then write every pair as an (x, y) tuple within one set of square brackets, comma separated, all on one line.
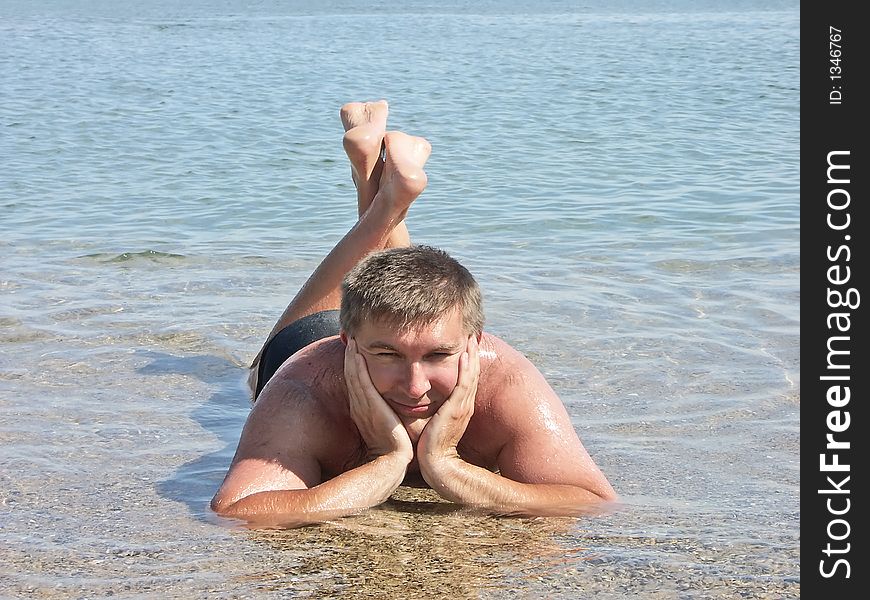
[(343, 336), (479, 337)]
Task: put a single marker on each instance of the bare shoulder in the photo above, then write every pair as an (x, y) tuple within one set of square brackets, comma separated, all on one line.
[(294, 438), (507, 375), (279, 448), (312, 379), (511, 394), (286, 419), (539, 443), (307, 397)]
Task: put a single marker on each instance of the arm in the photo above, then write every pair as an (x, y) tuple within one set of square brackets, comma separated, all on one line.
[(275, 477), (348, 493), (543, 467)]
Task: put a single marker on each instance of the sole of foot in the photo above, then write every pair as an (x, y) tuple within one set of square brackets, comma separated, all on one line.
[(364, 125), (403, 178)]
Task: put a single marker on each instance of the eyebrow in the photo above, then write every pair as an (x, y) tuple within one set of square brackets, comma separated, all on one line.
[(382, 346), (451, 348)]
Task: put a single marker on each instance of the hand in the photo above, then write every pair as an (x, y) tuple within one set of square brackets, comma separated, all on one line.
[(378, 424), (446, 427)]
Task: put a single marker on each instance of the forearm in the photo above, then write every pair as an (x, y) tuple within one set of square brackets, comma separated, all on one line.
[(461, 482), (351, 492)]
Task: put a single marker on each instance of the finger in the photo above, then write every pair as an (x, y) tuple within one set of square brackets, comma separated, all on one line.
[(465, 368), (352, 371), (349, 362), (472, 370), (471, 382), (462, 383), (473, 345), (363, 376), (475, 355)]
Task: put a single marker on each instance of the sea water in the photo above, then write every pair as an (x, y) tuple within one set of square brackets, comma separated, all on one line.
[(622, 178)]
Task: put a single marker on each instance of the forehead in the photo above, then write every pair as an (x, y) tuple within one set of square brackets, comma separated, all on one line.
[(444, 331)]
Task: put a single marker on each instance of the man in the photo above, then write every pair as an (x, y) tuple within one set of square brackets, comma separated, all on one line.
[(404, 386)]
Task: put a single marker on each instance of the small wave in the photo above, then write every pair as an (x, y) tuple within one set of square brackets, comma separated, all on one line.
[(15, 331), (746, 263), (165, 26), (148, 255)]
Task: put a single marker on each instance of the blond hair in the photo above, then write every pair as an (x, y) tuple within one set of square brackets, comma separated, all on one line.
[(409, 287)]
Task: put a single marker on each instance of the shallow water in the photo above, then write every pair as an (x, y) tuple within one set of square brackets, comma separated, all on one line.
[(621, 178)]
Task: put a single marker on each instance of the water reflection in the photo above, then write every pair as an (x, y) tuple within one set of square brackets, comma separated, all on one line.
[(414, 543)]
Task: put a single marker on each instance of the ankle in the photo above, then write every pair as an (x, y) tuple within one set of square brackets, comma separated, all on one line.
[(385, 207)]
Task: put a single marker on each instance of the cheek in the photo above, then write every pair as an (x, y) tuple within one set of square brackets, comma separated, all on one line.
[(444, 377), (384, 375)]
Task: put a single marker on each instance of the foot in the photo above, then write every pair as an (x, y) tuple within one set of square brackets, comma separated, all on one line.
[(403, 178), (364, 126)]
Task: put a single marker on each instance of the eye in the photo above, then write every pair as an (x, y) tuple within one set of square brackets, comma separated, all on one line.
[(439, 355)]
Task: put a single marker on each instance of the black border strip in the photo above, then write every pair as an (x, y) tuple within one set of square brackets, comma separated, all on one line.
[(834, 337)]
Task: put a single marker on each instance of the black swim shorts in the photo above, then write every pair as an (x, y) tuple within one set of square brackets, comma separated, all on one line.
[(293, 338)]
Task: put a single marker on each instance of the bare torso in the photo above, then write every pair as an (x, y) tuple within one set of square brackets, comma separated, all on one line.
[(472, 405), (319, 369)]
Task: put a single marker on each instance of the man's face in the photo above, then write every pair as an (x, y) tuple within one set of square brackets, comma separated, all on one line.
[(415, 370)]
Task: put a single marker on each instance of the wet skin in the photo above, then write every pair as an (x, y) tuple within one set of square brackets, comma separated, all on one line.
[(415, 370), (346, 419), (519, 427)]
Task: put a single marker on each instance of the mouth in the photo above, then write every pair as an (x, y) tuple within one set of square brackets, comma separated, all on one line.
[(412, 410)]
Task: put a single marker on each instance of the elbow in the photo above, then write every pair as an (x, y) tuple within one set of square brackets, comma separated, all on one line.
[(609, 496), (217, 505), (222, 505), (606, 493)]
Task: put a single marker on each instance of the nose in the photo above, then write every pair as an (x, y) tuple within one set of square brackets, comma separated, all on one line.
[(416, 381)]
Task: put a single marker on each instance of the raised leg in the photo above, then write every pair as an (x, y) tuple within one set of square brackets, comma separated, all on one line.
[(365, 126), (402, 179)]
